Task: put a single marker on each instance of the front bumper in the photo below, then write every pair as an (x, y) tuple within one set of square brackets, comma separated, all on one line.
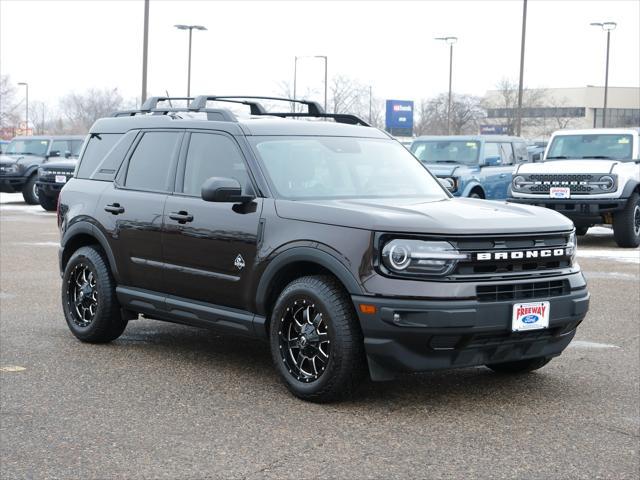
[(406, 335), (12, 184), (583, 211), (49, 188)]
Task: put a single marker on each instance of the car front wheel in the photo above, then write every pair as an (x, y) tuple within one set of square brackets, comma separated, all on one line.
[(316, 341), (626, 224), (30, 191), (47, 202), (89, 301)]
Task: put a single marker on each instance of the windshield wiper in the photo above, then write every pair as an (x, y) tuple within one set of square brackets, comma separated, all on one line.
[(598, 157), (446, 161), (557, 157)]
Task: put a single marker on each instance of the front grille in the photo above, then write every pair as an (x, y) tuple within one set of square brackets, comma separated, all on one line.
[(524, 246), (578, 183), (522, 291)]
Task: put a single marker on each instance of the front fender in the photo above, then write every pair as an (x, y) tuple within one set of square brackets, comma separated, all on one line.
[(304, 254), (470, 186)]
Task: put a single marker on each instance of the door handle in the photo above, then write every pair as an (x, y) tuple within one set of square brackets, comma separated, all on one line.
[(502, 175), (181, 217), (114, 208)]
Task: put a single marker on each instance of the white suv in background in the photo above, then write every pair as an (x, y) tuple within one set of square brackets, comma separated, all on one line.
[(591, 176)]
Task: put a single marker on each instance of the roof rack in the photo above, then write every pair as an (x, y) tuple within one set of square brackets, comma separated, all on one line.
[(199, 104)]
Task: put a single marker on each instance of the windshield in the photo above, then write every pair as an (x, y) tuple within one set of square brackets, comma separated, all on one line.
[(27, 147), (445, 151), (343, 167), (606, 146)]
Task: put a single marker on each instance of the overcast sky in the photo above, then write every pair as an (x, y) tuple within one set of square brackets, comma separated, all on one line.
[(60, 46)]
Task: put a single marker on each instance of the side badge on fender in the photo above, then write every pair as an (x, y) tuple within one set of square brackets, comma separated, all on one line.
[(239, 262)]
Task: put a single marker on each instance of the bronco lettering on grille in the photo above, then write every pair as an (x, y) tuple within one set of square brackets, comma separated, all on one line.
[(521, 254)]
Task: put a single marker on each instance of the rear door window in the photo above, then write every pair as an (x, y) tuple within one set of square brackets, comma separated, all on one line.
[(506, 152), (98, 146), (522, 155), (150, 165)]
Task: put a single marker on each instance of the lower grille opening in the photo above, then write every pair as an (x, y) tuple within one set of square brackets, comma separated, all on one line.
[(521, 291)]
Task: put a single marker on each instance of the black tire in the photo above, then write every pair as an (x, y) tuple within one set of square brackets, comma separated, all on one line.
[(581, 231), (338, 371), (106, 323), (47, 202), (626, 224), (475, 195), (520, 366), (30, 192)]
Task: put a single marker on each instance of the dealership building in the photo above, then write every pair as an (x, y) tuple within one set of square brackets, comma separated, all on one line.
[(566, 108)]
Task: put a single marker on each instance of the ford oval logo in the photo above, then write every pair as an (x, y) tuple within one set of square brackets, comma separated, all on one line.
[(530, 319)]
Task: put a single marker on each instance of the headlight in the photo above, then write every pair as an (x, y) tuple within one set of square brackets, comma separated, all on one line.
[(450, 183), (519, 182), (419, 257), (572, 246), (607, 182)]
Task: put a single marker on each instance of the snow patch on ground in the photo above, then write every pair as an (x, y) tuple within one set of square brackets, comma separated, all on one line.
[(619, 255), (13, 202), (591, 345)]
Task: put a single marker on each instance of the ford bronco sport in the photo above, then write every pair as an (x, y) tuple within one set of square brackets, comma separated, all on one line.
[(592, 176), (20, 161), (328, 238)]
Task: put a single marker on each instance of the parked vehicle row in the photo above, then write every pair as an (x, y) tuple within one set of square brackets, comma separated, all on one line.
[(23, 156)]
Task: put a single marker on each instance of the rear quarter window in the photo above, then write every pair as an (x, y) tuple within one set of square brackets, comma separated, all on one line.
[(98, 146)]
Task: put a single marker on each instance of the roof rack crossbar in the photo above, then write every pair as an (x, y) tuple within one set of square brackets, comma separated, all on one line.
[(151, 103), (314, 108)]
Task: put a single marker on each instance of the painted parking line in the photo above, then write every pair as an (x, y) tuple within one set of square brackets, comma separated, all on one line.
[(585, 344), (12, 368), (619, 255), (38, 244)]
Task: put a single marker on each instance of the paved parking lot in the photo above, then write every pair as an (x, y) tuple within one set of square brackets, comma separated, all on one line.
[(166, 401)]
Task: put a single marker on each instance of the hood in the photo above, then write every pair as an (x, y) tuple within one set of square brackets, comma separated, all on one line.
[(442, 169), (66, 164), (450, 216), (18, 158), (583, 165)]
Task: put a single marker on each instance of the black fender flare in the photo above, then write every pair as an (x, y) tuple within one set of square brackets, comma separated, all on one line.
[(629, 188), (304, 254), (32, 170), (87, 228)]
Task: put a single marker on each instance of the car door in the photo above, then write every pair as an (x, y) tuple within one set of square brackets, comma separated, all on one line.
[(130, 210), (489, 170), (210, 248), (505, 170)]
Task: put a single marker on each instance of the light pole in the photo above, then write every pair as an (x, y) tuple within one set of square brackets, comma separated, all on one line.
[(295, 77), (607, 27), (145, 48), (26, 116), (449, 41), (190, 28), (370, 102), (521, 81)]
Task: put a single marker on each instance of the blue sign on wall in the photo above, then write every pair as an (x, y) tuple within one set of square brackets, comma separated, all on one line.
[(494, 130), (399, 114)]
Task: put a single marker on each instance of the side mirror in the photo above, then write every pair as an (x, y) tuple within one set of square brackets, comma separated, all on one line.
[(223, 190), (67, 154), (54, 153), (492, 161)]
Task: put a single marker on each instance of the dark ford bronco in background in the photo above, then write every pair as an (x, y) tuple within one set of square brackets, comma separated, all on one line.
[(52, 176), (329, 239), (20, 160)]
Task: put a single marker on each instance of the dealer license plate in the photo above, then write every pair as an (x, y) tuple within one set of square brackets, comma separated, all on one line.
[(560, 192), (61, 179), (530, 316)]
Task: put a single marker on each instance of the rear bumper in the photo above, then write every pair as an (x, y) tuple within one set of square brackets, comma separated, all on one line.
[(582, 211), (12, 184), (419, 335)]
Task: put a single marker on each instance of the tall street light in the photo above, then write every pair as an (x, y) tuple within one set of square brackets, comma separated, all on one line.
[(607, 27), (190, 28), (521, 81), (295, 76), (145, 48), (26, 116), (449, 41)]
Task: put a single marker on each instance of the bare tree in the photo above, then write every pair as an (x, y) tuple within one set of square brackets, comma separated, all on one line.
[(9, 115), (507, 102), (80, 110), (431, 115)]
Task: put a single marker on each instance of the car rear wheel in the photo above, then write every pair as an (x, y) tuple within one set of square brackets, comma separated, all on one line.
[(47, 202), (520, 366), (581, 231), (626, 224), (30, 191), (316, 342), (89, 298)]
